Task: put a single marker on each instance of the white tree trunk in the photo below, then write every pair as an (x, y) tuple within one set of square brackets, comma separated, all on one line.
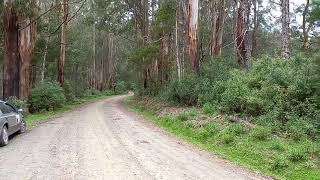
[(177, 48)]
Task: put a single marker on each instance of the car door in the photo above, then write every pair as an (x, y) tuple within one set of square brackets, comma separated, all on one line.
[(14, 115), (2, 120), (10, 115)]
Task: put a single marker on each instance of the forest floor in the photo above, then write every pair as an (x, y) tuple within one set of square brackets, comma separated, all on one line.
[(103, 140)]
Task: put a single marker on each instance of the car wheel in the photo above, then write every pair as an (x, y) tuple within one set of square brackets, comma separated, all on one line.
[(23, 127), (4, 138)]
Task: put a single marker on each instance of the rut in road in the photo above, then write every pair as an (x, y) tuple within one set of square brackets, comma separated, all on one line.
[(104, 141)]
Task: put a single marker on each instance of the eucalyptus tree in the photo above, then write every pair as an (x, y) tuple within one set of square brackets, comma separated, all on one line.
[(285, 31), (63, 42), (242, 34), (20, 32), (193, 34)]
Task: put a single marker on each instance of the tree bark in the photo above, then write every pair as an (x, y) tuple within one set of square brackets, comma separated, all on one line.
[(178, 62), (285, 35), (63, 41), (193, 34), (242, 34), (11, 66), (255, 28), (306, 29), (218, 14), (26, 43), (44, 61), (19, 44)]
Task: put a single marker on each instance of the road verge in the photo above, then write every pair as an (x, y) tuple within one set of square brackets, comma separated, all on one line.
[(254, 148)]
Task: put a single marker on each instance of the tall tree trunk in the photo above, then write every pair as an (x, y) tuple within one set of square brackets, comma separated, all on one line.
[(26, 43), (44, 61), (178, 62), (255, 28), (285, 35), (242, 38), (218, 14), (19, 44), (193, 34), (306, 29), (63, 41), (11, 66)]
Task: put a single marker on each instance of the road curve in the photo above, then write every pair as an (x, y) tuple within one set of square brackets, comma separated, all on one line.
[(104, 141)]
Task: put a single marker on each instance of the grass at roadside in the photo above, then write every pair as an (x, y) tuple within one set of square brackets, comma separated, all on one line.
[(255, 148), (34, 119)]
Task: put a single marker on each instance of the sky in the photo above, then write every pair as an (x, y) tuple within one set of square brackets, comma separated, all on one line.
[(276, 12)]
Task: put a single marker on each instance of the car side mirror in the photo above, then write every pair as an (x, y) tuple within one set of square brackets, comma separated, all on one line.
[(20, 110)]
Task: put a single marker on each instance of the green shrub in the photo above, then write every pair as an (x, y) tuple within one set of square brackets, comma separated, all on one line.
[(286, 94), (298, 153), (236, 129), (277, 145), (120, 87), (298, 129), (279, 163), (69, 92), (208, 132), (182, 92), (212, 79), (281, 91), (92, 92), (212, 129), (261, 133), (209, 109), (47, 96), (109, 93), (17, 103), (226, 138)]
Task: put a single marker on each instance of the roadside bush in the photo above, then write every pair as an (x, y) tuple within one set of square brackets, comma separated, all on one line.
[(226, 138), (212, 129), (92, 92), (212, 80), (298, 153), (120, 87), (69, 92), (279, 163), (108, 93), (283, 94), (182, 92), (283, 91), (261, 133), (277, 145), (47, 96), (17, 103), (209, 109)]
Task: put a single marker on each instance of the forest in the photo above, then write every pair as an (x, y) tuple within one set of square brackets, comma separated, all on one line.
[(246, 71)]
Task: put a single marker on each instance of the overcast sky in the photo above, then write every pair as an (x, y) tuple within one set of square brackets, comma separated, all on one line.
[(276, 12)]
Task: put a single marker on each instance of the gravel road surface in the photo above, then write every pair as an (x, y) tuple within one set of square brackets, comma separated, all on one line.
[(104, 141)]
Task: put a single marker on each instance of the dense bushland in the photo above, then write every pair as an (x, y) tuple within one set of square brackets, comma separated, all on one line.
[(281, 94), (50, 96)]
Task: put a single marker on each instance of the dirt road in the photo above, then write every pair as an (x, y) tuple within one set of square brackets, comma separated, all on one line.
[(104, 141)]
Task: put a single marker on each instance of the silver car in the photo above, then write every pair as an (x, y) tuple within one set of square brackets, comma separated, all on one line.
[(11, 122)]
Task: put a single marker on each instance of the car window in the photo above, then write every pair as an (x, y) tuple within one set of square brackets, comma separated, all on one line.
[(4, 108), (10, 108)]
